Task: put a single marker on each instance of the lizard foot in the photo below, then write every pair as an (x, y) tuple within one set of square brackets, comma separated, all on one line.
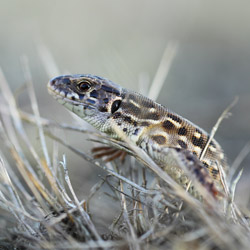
[(109, 153)]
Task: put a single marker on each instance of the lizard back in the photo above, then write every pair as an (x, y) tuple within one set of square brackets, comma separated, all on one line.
[(164, 128)]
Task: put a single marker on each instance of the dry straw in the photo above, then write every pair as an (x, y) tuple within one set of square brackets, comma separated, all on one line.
[(40, 210)]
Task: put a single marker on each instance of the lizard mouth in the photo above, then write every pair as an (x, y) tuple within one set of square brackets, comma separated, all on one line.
[(60, 91), (65, 96)]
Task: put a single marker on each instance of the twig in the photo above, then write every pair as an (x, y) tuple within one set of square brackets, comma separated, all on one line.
[(126, 218), (163, 69), (238, 160), (224, 115)]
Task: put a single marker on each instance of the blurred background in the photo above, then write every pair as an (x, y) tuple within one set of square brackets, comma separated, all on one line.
[(124, 41)]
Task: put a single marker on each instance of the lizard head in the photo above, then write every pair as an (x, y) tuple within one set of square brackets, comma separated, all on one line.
[(93, 98)]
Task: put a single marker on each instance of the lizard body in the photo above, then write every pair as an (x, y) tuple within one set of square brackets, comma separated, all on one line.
[(146, 123)]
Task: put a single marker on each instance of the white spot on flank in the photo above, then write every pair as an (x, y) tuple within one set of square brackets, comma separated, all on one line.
[(177, 124), (221, 155), (197, 150), (197, 135), (151, 110), (213, 149), (215, 166), (183, 138)]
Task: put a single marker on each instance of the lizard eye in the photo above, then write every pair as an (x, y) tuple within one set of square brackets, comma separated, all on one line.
[(84, 86), (115, 106)]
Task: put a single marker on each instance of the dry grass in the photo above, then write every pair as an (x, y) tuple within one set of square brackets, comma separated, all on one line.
[(42, 211)]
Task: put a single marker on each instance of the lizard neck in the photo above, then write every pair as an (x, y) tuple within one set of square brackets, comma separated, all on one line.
[(136, 115)]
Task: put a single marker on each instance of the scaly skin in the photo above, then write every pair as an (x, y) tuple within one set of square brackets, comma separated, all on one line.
[(146, 123)]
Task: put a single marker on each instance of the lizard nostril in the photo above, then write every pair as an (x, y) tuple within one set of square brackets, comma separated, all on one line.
[(52, 82)]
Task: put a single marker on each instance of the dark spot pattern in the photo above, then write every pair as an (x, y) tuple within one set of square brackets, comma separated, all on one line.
[(134, 110), (202, 179), (182, 144), (147, 103), (110, 90), (168, 125), (66, 81), (215, 171), (103, 109), (136, 131), (132, 97), (195, 153), (144, 124), (127, 119), (175, 118), (205, 164), (91, 101), (117, 115), (182, 131), (197, 141), (60, 89), (81, 96), (105, 100), (198, 131), (94, 94), (160, 139), (196, 172), (190, 158), (125, 129), (212, 143)]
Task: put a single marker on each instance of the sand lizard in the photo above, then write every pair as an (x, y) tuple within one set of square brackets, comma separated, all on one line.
[(146, 123)]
